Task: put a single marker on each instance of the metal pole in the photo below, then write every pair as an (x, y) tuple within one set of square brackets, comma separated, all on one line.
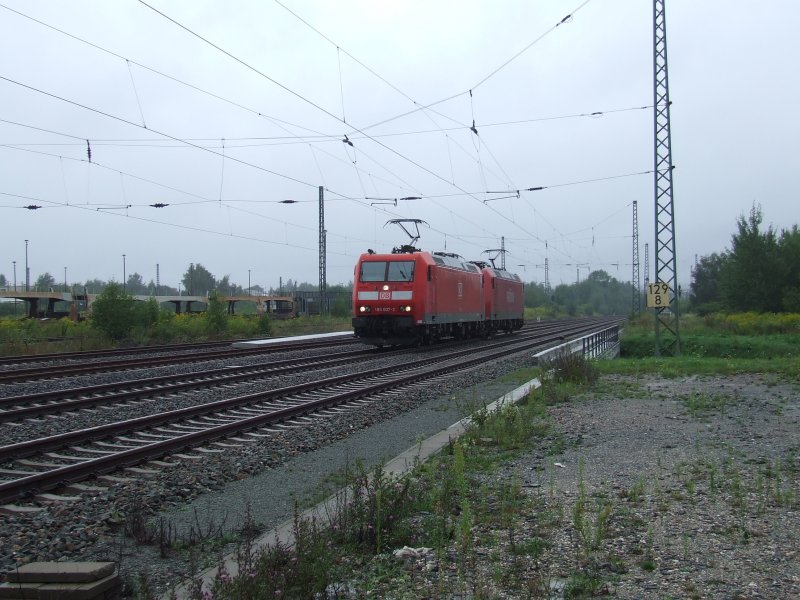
[(124, 278), (65, 279), (666, 318), (191, 279), (636, 305), (546, 276), (158, 279), (248, 283), (15, 286), (322, 260), (27, 269)]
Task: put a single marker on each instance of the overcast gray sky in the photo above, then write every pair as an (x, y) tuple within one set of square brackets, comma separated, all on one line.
[(224, 132)]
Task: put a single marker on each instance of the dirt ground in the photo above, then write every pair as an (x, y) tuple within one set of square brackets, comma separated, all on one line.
[(671, 488)]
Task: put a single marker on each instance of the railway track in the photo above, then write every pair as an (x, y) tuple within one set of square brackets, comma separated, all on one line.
[(26, 406), (84, 354), (77, 455), (20, 375), (54, 402)]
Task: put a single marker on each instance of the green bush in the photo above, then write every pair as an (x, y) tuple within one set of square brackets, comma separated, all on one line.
[(264, 325), (215, 316), (115, 313), (567, 367)]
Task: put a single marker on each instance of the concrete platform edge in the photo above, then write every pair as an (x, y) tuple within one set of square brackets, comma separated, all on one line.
[(297, 338), (398, 467)]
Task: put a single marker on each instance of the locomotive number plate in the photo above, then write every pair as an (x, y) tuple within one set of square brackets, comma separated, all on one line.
[(385, 295)]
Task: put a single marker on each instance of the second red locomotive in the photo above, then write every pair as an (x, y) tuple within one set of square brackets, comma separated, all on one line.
[(412, 297)]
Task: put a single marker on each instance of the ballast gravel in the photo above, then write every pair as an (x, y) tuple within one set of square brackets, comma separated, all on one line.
[(211, 496), (645, 488)]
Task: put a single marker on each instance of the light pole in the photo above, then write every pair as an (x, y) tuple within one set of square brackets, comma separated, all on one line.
[(15, 286), (65, 279), (27, 270), (249, 293), (124, 278)]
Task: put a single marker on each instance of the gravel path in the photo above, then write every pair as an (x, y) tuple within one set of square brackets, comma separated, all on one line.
[(702, 477)]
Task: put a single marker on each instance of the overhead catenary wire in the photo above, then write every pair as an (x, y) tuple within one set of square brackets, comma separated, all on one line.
[(166, 135), (136, 93), (272, 119), (428, 106), (473, 127), (199, 198), (300, 96), (298, 139), (294, 93), (102, 210), (339, 49), (357, 136), (535, 41)]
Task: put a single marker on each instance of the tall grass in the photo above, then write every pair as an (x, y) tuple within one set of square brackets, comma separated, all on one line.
[(735, 336)]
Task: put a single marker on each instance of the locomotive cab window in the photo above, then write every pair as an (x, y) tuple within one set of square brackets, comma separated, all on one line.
[(400, 271), (374, 271)]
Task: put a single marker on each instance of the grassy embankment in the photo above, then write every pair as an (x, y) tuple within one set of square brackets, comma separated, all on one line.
[(716, 344)]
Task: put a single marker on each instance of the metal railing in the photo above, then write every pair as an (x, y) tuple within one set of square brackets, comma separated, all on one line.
[(597, 344)]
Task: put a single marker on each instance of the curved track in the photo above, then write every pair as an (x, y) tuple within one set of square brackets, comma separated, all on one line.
[(80, 454)]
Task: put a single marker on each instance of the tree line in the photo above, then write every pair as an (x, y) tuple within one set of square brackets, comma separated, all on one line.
[(196, 280), (760, 272)]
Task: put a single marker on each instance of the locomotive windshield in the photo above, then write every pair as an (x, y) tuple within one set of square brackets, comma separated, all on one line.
[(381, 270)]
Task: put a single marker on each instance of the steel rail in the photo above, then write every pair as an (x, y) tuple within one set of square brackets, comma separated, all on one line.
[(50, 356), (14, 408), (49, 372), (69, 473), (31, 447), (47, 403)]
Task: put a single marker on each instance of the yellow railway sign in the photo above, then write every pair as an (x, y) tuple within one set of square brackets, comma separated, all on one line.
[(658, 295)]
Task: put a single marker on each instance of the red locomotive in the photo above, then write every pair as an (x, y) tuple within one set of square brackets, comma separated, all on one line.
[(413, 297), (503, 296)]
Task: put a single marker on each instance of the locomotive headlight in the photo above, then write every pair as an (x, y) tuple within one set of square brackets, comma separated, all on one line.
[(385, 288), (364, 309), (405, 309)]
